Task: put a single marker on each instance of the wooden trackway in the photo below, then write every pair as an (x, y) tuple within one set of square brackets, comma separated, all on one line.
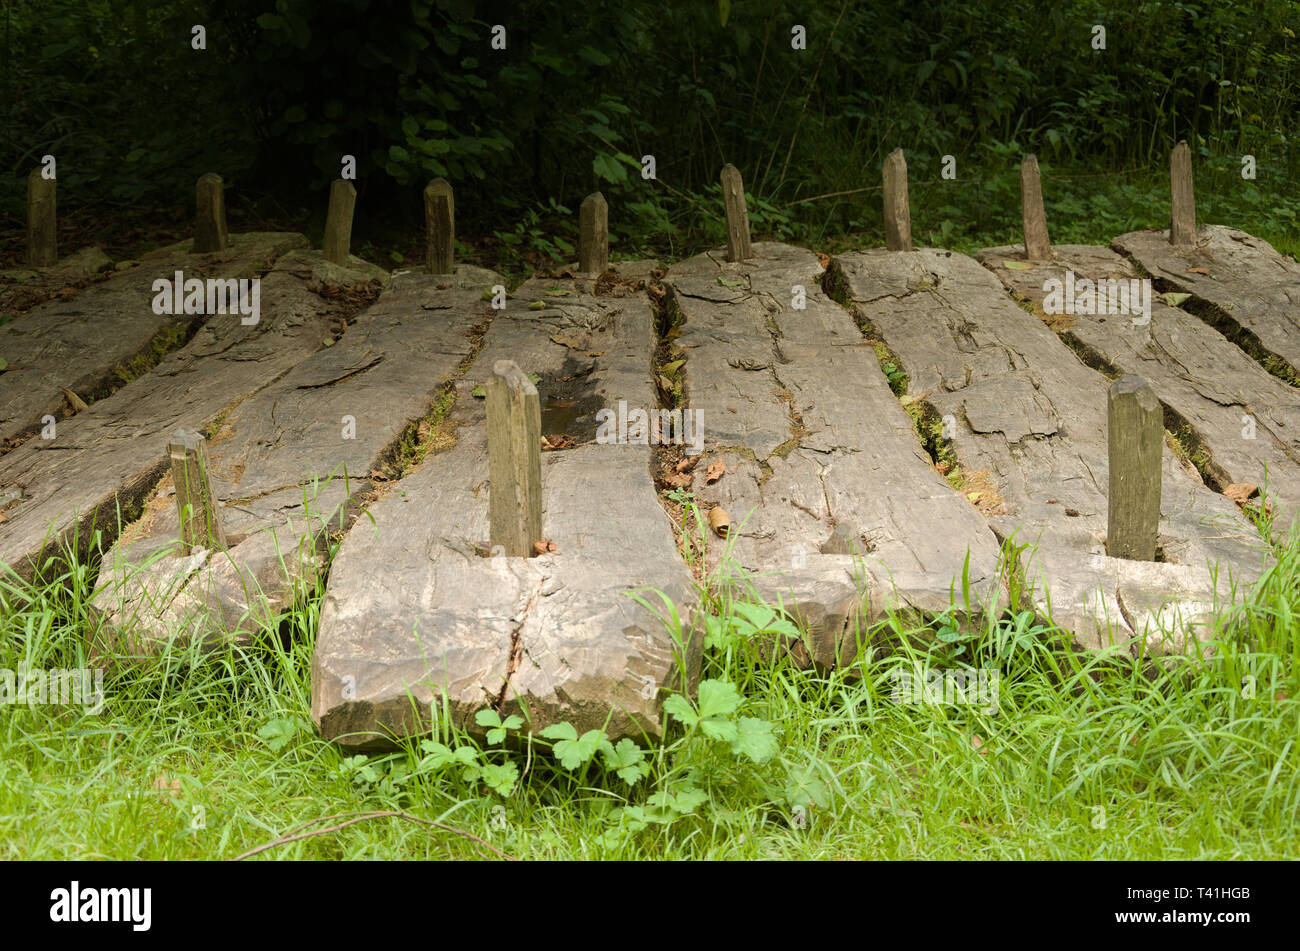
[(285, 463), (78, 343), (1241, 424), (1253, 292), (555, 637), (830, 496), (821, 495), (106, 459), (1028, 424)]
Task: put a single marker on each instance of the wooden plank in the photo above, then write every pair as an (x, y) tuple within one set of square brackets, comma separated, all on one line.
[(337, 243), (733, 200), (898, 213), (1252, 291), (290, 460), (42, 224), (1038, 247), (1135, 435), (24, 288), (593, 238), (105, 460), (1182, 204), (834, 504), (1028, 424), (1239, 423), (440, 225), (557, 636), (210, 232), (196, 505), (514, 421), (90, 342)]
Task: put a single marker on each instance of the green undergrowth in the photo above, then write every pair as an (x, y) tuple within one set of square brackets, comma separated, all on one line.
[(1076, 755)]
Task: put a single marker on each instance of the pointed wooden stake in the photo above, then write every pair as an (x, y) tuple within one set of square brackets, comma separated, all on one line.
[(42, 235), (1135, 436), (1038, 247), (210, 225), (1182, 205), (337, 244), (733, 199), (514, 417), (898, 215), (593, 237), (440, 223), (195, 501)]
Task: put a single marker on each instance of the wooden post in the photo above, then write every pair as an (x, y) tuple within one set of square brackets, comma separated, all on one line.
[(1182, 205), (195, 501), (42, 238), (514, 417), (1135, 436), (210, 226), (1038, 247), (898, 215), (440, 223), (337, 244), (733, 199), (593, 236)]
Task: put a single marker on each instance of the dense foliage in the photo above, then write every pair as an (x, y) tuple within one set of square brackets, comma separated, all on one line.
[(581, 92)]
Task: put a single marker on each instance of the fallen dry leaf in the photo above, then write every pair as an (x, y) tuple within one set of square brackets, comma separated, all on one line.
[(823, 259), (714, 472), (543, 547), (977, 743), (378, 476), (1241, 492), (1198, 270), (688, 463), (165, 787), (719, 521), (1072, 513), (678, 480), (558, 441), (75, 401)]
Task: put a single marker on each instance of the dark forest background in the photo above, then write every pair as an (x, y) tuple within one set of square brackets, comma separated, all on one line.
[(414, 90)]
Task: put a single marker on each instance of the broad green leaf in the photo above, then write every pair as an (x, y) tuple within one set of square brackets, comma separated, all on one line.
[(681, 710), (754, 739), (718, 698)]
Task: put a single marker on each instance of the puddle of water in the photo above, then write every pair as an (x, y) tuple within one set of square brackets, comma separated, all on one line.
[(569, 403)]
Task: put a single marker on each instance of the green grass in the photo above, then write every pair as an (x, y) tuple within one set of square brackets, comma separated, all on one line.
[(1086, 756)]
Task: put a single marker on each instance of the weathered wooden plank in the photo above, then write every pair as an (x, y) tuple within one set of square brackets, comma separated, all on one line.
[(42, 224), (107, 458), (440, 225), (733, 200), (89, 342), (593, 238), (1253, 292), (210, 233), (834, 505), (557, 635), (337, 243), (1028, 425), (514, 421), (1182, 197), (1135, 439), (1239, 423), (24, 288), (898, 213), (1038, 247), (289, 460)]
